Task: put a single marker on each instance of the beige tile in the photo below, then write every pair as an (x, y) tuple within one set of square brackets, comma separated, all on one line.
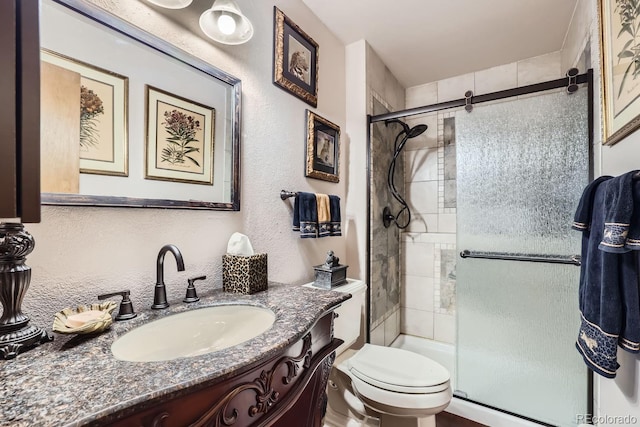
[(539, 69), (417, 322), (377, 335), (446, 223), (417, 293), (423, 196), (421, 165), (436, 238), (418, 96), (444, 328), (381, 80), (496, 78), (417, 259), (423, 223), (391, 327), (429, 139), (455, 87)]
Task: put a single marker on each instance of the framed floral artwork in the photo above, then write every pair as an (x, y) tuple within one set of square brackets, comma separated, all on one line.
[(102, 114), (620, 67), (295, 59), (323, 148), (180, 138)]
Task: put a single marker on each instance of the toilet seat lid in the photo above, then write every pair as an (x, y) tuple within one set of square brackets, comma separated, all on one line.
[(398, 370)]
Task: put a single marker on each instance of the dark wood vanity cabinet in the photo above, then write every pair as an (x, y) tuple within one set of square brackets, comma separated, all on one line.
[(287, 389), (19, 110)]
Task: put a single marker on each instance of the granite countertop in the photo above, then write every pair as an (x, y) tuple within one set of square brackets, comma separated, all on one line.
[(75, 379)]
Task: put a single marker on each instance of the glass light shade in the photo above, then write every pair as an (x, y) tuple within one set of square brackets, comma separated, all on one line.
[(224, 23), (171, 4)]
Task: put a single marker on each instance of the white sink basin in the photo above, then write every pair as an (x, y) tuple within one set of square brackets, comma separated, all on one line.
[(193, 333)]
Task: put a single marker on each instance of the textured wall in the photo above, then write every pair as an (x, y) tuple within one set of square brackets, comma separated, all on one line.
[(83, 251)]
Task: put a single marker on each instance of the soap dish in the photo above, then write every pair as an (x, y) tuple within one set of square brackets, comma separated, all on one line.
[(97, 323)]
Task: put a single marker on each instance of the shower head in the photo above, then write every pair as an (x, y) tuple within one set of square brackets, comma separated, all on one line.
[(405, 126), (416, 130), (410, 132)]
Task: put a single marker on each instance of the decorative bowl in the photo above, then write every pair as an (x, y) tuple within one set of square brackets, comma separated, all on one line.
[(93, 326)]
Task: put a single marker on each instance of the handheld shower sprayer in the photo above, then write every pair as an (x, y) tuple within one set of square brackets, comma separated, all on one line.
[(406, 133)]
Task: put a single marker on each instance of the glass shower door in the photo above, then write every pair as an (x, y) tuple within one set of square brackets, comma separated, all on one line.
[(521, 168)]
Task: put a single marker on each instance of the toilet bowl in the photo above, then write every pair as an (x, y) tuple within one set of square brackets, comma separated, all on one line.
[(380, 386)]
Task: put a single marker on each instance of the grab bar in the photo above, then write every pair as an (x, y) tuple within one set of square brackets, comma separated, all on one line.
[(572, 259)]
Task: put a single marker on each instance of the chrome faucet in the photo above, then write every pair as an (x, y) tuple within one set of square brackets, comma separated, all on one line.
[(160, 292)]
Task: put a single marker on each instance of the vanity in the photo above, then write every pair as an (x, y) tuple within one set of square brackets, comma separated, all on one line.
[(277, 378)]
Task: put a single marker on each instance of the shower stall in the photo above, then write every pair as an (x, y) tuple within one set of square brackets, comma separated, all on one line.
[(520, 159)]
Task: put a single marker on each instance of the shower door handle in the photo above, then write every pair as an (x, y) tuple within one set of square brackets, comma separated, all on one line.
[(554, 259)]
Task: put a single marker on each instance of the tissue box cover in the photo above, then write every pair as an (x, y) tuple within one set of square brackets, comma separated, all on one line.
[(244, 274)]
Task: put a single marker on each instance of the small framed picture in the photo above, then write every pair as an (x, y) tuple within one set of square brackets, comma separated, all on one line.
[(102, 98), (295, 59), (323, 148), (620, 57), (180, 139)]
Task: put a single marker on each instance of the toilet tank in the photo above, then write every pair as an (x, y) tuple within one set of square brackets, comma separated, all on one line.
[(349, 326)]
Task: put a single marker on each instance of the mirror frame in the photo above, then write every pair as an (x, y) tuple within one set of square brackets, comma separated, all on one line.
[(117, 24)]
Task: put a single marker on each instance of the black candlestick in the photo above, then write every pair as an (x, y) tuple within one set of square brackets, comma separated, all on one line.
[(16, 335)]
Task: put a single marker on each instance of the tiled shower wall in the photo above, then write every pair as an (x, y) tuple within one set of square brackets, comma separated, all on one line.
[(385, 242), (428, 246), (384, 94)]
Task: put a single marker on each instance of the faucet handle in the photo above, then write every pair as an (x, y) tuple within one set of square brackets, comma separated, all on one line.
[(191, 295), (125, 311)]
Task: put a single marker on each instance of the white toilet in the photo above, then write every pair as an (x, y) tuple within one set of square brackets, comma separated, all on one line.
[(380, 386)]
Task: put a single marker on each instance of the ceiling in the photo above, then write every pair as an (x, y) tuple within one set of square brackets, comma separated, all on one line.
[(422, 41)]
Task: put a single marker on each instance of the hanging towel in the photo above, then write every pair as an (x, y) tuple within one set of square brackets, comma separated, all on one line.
[(324, 214), (609, 301), (335, 227), (619, 207), (582, 217), (305, 215)]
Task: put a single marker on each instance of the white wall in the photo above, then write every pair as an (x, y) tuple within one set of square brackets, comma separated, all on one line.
[(619, 396), (84, 251), (356, 156)]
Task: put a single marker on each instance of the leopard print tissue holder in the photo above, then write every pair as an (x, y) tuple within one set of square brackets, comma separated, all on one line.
[(244, 274)]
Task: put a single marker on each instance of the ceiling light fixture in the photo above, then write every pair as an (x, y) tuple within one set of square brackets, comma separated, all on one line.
[(225, 23), (171, 4)]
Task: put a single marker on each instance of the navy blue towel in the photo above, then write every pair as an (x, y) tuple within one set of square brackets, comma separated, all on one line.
[(335, 227), (582, 217), (619, 235), (609, 299), (305, 215)]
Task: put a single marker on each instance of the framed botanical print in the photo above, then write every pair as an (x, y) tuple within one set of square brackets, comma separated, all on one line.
[(620, 62), (323, 148), (102, 98), (180, 138), (295, 59)]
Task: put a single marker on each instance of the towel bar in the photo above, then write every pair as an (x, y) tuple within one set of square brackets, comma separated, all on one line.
[(286, 194), (572, 259)]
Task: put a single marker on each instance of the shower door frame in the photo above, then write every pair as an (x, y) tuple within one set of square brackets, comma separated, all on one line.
[(580, 79)]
